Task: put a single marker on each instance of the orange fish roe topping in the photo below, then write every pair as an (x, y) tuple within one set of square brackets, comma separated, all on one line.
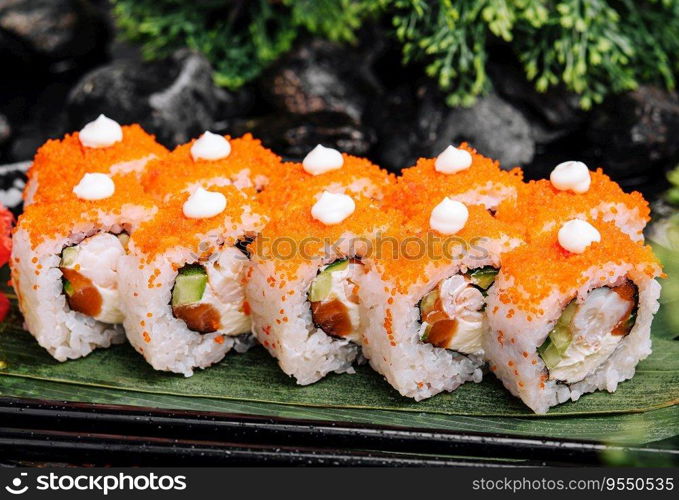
[(249, 164), (60, 164), (412, 252), (295, 237), (540, 203), (170, 227), (484, 175), (45, 221), (357, 175), (543, 266)]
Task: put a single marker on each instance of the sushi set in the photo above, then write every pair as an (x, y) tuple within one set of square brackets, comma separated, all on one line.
[(453, 271)]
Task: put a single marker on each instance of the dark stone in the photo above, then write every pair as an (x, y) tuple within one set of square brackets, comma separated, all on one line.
[(175, 98), (407, 120), (293, 136), (36, 115), (552, 114), (492, 126), (632, 134), (5, 130), (16, 53), (320, 76), (56, 30), (415, 123)]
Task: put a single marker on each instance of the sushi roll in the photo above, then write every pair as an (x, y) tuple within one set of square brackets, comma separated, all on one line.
[(423, 308), (303, 285), (461, 174), (571, 312), (580, 193), (102, 146), (65, 260), (212, 159), (182, 281)]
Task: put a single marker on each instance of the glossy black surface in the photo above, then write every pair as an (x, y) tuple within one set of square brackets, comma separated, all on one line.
[(84, 433)]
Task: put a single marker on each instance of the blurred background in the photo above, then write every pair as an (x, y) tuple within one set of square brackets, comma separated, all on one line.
[(530, 82)]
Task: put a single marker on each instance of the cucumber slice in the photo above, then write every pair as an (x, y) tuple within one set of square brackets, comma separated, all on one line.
[(428, 301), (322, 283), (568, 313), (483, 277), (425, 335), (558, 340), (560, 337), (549, 353), (338, 265), (68, 256), (68, 288), (189, 286), (124, 239)]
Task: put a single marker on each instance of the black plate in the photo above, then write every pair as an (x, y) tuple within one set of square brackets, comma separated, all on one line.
[(84, 433)]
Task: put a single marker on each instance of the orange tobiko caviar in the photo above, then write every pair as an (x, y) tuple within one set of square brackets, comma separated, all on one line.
[(60, 164), (295, 237), (482, 183), (249, 164), (419, 250), (45, 221), (356, 175), (544, 266), (169, 227), (540, 206)]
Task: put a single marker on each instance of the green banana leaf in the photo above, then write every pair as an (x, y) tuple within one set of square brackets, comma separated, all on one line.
[(255, 377), (642, 410), (623, 429), (665, 241)]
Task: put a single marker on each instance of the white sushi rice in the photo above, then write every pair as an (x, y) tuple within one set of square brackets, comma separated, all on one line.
[(511, 345), (490, 195), (64, 333), (241, 179), (417, 369)]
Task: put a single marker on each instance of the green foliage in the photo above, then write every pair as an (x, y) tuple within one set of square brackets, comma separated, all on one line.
[(591, 47)]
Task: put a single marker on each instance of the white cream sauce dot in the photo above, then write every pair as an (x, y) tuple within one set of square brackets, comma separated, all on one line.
[(576, 235), (204, 204), (571, 176), (94, 187), (101, 133), (333, 208), (210, 147), (453, 160), (321, 160), (449, 216)]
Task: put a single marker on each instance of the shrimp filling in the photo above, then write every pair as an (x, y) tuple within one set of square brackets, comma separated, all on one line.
[(453, 314), (333, 298), (89, 272), (588, 333), (210, 297)]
